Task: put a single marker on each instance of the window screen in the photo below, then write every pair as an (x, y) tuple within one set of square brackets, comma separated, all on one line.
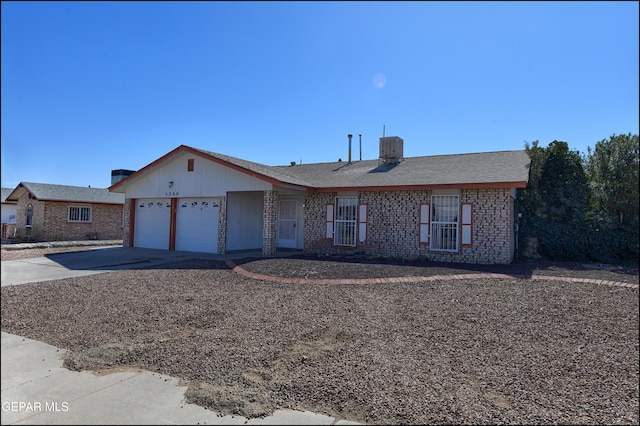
[(444, 222), (345, 221)]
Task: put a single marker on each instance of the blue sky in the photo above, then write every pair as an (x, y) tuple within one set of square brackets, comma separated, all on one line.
[(88, 87)]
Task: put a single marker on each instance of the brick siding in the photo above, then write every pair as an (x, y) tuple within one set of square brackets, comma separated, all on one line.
[(393, 226), (50, 221), (126, 218), (222, 226), (36, 231), (270, 215), (315, 220), (493, 231)]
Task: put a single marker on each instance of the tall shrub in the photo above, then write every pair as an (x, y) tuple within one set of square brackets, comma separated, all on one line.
[(555, 202), (612, 170)]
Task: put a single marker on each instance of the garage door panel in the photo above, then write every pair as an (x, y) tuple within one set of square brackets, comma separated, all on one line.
[(152, 223), (197, 224)]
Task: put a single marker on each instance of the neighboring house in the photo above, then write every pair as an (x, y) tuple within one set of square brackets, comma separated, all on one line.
[(457, 208), (48, 212), (8, 214)]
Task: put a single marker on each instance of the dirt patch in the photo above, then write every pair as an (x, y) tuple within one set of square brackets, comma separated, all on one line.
[(107, 356), (248, 402)]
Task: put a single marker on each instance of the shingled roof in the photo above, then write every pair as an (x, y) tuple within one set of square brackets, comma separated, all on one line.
[(486, 169), (276, 173), (66, 193), (504, 169), (5, 193)]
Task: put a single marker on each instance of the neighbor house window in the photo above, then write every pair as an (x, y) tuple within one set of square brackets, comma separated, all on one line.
[(345, 221), (190, 164), (29, 216), (79, 214), (444, 222)]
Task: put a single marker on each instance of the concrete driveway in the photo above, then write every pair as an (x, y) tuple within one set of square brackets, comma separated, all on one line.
[(101, 259)]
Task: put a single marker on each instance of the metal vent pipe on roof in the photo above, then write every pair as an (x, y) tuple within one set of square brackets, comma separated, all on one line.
[(349, 136)]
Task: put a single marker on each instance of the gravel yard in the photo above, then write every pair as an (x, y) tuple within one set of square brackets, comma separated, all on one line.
[(479, 351)]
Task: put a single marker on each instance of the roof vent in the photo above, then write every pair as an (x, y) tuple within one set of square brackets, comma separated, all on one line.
[(391, 149)]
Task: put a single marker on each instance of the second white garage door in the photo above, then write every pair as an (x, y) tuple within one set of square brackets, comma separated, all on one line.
[(197, 224)]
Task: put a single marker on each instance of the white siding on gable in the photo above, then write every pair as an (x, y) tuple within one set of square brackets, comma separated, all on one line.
[(207, 179)]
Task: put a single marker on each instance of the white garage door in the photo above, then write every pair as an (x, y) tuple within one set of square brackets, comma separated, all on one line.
[(197, 224), (152, 224)]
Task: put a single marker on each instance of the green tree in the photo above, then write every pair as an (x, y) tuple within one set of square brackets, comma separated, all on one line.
[(555, 202), (612, 169)]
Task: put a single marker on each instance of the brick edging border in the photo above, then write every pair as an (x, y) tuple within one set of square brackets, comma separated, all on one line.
[(285, 280)]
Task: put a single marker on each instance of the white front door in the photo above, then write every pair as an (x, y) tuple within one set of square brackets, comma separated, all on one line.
[(287, 224)]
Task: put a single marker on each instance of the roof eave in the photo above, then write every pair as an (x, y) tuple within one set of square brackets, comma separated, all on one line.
[(489, 185), (54, 200)]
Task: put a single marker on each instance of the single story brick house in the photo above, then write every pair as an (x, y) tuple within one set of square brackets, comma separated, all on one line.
[(47, 212), (456, 208)]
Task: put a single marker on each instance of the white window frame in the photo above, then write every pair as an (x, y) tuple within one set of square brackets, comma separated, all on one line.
[(345, 222), (445, 226), (79, 214), (29, 216)]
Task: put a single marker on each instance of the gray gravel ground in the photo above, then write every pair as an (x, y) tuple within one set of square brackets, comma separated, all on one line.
[(464, 351)]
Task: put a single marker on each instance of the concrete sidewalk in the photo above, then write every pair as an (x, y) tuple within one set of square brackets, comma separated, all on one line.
[(36, 389)]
